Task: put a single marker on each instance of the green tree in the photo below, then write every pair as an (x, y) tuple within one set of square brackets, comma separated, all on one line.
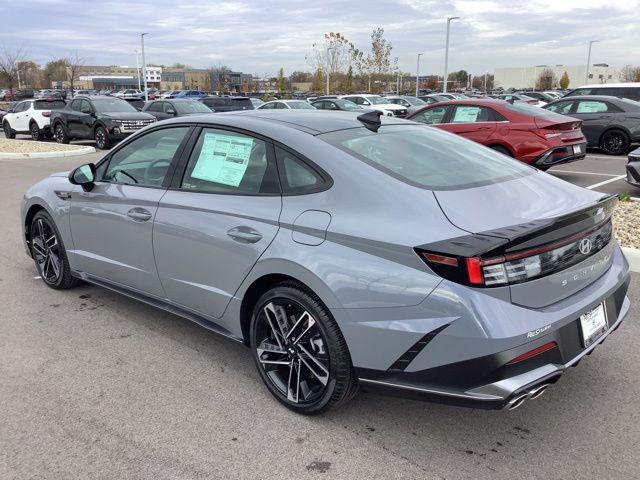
[(564, 81), (54, 71), (380, 52), (318, 79), (282, 84), (348, 81)]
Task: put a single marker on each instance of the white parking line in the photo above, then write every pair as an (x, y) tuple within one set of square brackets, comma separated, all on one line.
[(615, 179), (583, 173), (612, 157)]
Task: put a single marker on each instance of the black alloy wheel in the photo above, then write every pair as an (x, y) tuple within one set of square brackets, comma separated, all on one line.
[(615, 142), (59, 134), (102, 139), (8, 131), (300, 352), (49, 254), (35, 131)]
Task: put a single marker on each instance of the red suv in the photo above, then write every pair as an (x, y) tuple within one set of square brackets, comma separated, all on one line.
[(530, 134)]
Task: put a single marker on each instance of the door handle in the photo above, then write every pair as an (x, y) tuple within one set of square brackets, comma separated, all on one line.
[(139, 214), (245, 234)]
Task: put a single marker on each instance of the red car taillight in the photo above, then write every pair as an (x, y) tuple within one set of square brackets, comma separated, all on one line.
[(533, 353)]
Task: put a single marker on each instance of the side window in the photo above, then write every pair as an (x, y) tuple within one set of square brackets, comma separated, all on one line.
[(19, 107), (591, 106), (86, 106), (280, 105), (230, 163), (582, 91), (562, 108), (145, 161), (471, 114), (431, 116), (267, 106), (168, 108), (75, 105), (155, 107), (296, 177)]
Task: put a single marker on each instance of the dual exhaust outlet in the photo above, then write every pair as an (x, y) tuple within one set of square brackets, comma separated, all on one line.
[(531, 394)]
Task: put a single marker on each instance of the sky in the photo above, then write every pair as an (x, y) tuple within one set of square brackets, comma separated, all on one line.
[(260, 36)]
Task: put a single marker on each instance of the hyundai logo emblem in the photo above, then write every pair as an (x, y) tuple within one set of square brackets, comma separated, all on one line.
[(585, 246)]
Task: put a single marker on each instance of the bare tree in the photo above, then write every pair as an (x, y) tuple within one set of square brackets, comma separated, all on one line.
[(333, 53), (547, 80), (75, 63), (9, 63)]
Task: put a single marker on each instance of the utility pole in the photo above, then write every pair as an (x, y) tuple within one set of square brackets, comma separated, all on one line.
[(418, 73), (586, 75), (144, 67), (138, 69), (446, 56)]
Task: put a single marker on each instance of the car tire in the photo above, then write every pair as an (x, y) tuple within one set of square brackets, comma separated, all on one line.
[(49, 254), (501, 149), (102, 138), (8, 131), (615, 142), (313, 371), (60, 134), (36, 133)]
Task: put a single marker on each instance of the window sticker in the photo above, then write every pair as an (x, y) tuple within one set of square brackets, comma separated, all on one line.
[(223, 159), (466, 114)]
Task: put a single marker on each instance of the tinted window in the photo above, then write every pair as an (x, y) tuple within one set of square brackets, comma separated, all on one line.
[(155, 107), (296, 176), (427, 157), (229, 162), (279, 105), (215, 102), (46, 105), (145, 161), (267, 106), (75, 105), (86, 106), (432, 115), (533, 111), (581, 91), (631, 93), (562, 108)]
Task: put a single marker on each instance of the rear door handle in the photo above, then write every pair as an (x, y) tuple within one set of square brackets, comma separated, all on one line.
[(139, 214), (245, 234)]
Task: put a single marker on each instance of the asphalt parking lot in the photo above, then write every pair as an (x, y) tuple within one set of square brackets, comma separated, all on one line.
[(95, 385)]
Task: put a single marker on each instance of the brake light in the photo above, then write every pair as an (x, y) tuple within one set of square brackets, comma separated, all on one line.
[(46, 114), (533, 353)]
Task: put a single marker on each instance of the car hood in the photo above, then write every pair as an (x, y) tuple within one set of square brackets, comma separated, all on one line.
[(514, 202), (128, 115)]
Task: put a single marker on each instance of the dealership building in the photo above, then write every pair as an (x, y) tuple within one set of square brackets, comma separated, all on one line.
[(525, 77)]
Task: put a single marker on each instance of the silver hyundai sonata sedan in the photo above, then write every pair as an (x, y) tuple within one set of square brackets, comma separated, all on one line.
[(345, 251)]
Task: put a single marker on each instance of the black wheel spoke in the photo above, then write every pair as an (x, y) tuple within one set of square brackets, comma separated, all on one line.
[(316, 368), (46, 250)]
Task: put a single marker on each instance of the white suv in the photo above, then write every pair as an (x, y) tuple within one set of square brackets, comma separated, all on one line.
[(376, 102), (31, 117)]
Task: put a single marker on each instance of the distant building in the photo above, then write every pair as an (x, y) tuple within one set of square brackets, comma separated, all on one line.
[(102, 77), (525, 77)]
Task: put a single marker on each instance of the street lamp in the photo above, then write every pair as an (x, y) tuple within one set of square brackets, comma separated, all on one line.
[(138, 68), (144, 67), (418, 73), (586, 75), (446, 55)]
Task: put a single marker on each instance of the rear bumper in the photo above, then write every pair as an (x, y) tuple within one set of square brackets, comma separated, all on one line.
[(489, 382), (559, 155)]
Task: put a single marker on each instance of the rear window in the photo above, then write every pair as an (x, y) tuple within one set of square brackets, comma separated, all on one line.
[(427, 157), (215, 102), (533, 111), (46, 105), (242, 102)]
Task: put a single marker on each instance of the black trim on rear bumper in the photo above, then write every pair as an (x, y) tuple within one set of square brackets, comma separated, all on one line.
[(559, 155)]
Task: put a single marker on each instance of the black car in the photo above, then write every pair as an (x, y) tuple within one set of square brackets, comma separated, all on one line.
[(633, 168), (336, 104), (175, 107), (609, 123), (135, 102), (227, 104), (105, 119), (23, 93)]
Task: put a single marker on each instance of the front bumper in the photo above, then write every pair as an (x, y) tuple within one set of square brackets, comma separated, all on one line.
[(633, 168), (559, 155), (490, 382)]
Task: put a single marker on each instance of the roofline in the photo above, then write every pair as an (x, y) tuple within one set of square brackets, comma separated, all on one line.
[(612, 85)]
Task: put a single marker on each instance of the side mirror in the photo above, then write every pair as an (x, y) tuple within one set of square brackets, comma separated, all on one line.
[(366, 103), (84, 175), (171, 111)]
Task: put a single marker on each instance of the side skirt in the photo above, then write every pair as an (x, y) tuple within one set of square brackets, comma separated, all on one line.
[(162, 304)]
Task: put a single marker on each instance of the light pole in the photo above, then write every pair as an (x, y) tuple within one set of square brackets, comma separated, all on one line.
[(138, 68), (418, 73), (586, 75), (329, 49), (144, 67), (446, 56)]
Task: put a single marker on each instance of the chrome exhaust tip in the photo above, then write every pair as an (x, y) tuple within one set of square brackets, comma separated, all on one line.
[(536, 392), (517, 401)]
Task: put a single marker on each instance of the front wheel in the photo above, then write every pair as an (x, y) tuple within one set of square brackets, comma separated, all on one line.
[(615, 142), (49, 253), (102, 138), (8, 131), (59, 134), (300, 352)]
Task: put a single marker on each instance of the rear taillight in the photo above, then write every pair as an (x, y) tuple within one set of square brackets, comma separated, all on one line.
[(520, 266), (533, 353), (46, 114), (546, 134)]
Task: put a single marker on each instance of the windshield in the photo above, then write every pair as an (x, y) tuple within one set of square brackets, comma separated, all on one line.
[(185, 108), (112, 105), (427, 157), (300, 105), (415, 101), (375, 100), (346, 104)]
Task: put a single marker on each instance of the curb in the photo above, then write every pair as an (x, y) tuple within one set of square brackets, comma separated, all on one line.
[(55, 154), (633, 257)]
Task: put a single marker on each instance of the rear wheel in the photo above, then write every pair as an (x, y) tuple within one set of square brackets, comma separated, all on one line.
[(102, 139), (35, 131), (300, 352), (615, 142), (8, 131), (59, 134), (49, 253)]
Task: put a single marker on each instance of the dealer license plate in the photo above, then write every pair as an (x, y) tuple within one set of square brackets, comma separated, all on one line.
[(577, 149), (593, 324)]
